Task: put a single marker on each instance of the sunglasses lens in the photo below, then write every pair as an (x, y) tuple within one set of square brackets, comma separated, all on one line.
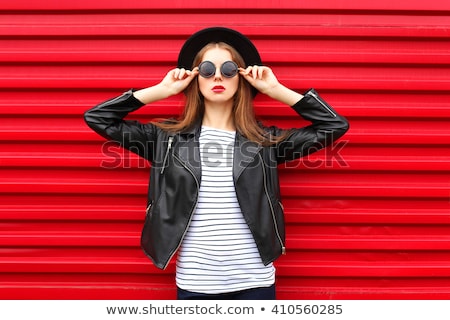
[(207, 69), (229, 69)]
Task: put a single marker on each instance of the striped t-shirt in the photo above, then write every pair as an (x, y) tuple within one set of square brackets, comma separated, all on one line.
[(218, 253)]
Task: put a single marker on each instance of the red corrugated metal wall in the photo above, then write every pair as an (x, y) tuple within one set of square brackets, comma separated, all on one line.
[(368, 219)]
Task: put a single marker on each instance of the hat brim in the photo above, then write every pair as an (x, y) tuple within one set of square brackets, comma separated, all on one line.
[(198, 40)]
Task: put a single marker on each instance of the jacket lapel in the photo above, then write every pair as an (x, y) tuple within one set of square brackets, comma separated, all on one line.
[(245, 152), (187, 149)]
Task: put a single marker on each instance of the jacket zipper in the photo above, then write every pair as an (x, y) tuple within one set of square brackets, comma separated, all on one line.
[(191, 213), (147, 211), (283, 248), (169, 146), (312, 94)]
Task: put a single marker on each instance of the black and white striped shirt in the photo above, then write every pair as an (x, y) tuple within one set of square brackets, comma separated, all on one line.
[(218, 253)]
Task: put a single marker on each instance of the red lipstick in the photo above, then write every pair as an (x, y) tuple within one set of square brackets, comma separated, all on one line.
[(218, 89)]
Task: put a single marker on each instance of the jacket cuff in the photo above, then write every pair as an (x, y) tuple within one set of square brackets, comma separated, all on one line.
[(310, 98), (305, 94), (129, 96)]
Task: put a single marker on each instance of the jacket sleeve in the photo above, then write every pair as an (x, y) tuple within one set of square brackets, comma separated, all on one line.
[(326, 127), (107, 119)]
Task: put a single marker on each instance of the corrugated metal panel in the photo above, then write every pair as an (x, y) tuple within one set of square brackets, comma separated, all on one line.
[(368, 219)]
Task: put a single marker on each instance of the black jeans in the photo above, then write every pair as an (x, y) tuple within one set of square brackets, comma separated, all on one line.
[(263, 293)]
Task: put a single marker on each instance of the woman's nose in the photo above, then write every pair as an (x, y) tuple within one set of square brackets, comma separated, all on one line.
[(218, 74)]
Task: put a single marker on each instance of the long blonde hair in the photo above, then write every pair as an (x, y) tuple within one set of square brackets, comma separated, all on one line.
[(243, 112)]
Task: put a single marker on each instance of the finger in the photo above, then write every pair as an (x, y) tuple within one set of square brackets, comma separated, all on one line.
[(255, 71), (194, 72), (260, 72), (248, 70), (181, 74), (190, 73), (175, 74), (248, 73)]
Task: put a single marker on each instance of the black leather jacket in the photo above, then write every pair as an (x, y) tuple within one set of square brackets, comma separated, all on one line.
[(176, 171)]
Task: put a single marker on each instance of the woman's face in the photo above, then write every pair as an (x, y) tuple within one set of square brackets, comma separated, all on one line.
[(218, 89)]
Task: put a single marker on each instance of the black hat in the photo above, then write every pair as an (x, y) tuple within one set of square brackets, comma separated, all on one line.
[(237, 40)]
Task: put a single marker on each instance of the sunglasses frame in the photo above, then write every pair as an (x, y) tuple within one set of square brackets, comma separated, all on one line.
[(221, 69)]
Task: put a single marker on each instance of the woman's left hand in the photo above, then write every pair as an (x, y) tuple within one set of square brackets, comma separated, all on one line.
[(260, 77), (265, 81)]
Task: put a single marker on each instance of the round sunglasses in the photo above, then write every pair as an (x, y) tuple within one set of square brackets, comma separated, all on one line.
[(228, 69)]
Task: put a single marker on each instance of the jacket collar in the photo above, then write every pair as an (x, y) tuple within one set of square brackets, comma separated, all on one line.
[(194, 129)]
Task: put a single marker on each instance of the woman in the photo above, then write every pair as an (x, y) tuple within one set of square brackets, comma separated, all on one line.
[(214, 196)]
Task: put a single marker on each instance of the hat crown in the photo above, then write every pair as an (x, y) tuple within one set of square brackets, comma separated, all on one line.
[(201, 38)]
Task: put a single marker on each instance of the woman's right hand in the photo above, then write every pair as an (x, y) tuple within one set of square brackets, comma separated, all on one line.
[(175, 81)]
